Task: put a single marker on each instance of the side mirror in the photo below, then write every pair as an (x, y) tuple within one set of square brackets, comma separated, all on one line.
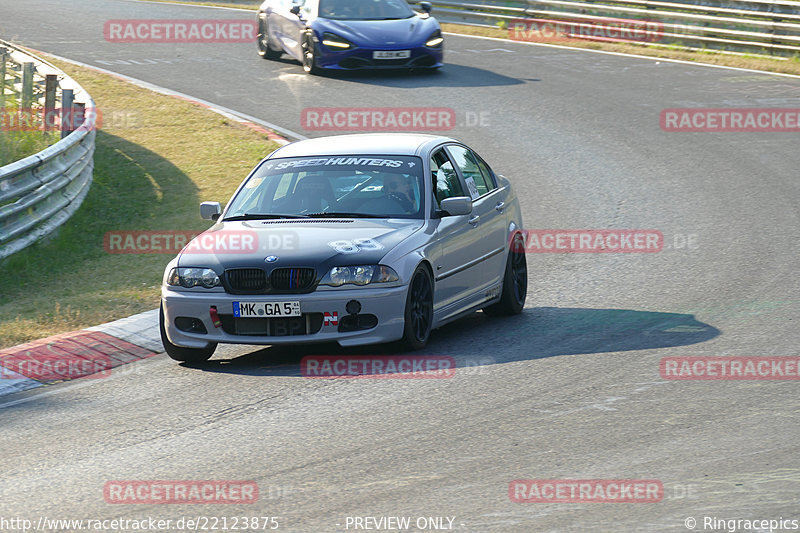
[(295, 10), (210, 210), (457, 205), (426, 6)]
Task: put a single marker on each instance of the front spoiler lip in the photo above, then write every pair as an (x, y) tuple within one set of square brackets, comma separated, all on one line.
[(331, 60)]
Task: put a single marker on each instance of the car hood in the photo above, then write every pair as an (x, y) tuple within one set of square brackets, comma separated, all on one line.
[(290, 243), (382, 33)]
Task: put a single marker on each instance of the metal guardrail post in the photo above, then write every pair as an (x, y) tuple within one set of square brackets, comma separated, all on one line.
[(49, 114), (27, 85), (67, 112), (3, 61)]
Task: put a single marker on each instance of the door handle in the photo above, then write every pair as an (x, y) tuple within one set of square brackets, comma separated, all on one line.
[(474, 220), (500, 206)]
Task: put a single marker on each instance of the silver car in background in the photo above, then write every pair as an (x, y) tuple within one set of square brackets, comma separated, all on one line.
[(355, 239)]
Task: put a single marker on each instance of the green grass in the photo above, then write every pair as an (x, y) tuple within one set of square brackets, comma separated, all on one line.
[(152, 169), (16, 143)]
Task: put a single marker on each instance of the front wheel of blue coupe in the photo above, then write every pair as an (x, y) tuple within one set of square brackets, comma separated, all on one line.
[(310, 55)]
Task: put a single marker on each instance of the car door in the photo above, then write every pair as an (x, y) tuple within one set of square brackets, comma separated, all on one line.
[(289, 27), (488, 206), (456, 270)]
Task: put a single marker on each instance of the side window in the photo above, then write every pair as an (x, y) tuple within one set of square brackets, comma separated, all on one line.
[(444, 177), (488, 175), (477, 182)]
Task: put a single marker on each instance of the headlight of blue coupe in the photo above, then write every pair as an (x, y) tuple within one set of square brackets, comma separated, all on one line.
[(435, 39), (331, 40), (193, 277), (359, 275)]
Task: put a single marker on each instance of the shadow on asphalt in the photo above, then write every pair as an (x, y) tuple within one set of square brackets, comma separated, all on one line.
[(448, 76), (480, 340)]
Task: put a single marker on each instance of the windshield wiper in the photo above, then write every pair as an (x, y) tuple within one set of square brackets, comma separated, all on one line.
[(343, 214), (263, 216)]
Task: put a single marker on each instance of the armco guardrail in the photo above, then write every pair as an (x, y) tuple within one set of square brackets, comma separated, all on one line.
[(40, 192), (745, 26)]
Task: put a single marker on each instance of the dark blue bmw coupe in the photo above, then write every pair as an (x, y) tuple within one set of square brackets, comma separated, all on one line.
[(350, 34)]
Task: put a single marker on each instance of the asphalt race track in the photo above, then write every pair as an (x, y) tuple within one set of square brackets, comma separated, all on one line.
[(570, 389)]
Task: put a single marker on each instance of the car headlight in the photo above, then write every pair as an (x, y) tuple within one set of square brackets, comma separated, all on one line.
[(435, 39), (332, 40), (359, 275), (193, 277)]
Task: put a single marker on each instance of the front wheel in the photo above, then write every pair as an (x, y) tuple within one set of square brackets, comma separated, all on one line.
[(263, 42), (419, 310), (179, 353), (310, 55), (515, 281)]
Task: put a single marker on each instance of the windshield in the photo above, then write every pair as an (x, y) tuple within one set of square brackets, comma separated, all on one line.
[(364, 9), (346, 186)]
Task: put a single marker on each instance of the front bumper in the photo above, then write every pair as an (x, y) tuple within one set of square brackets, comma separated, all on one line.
[(361, 58), (386, 303)]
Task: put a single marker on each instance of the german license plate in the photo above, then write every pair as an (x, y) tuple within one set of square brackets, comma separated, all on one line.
[(266, 309), (391, 54)]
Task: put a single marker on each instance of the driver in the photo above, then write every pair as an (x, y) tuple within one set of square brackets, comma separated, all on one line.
[(399, 188)]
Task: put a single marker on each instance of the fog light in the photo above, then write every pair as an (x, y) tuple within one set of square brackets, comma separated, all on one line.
[(190, 324)]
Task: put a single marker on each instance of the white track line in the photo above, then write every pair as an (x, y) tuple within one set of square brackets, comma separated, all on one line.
[(224, 111)]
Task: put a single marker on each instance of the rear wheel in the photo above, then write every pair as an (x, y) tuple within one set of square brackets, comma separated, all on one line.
[(515, 281), (419, 310), (179, 353), (263, 42), (310, 55)]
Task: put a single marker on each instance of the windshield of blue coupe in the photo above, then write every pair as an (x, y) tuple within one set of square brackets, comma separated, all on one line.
[(364, 9), (348, 186)]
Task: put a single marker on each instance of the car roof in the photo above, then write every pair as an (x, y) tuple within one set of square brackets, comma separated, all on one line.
[(362, 144)]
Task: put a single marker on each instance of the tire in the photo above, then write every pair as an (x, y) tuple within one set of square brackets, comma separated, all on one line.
[(310, 55), (418, 317), (515, 281), (263, 42), (178, 353)]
